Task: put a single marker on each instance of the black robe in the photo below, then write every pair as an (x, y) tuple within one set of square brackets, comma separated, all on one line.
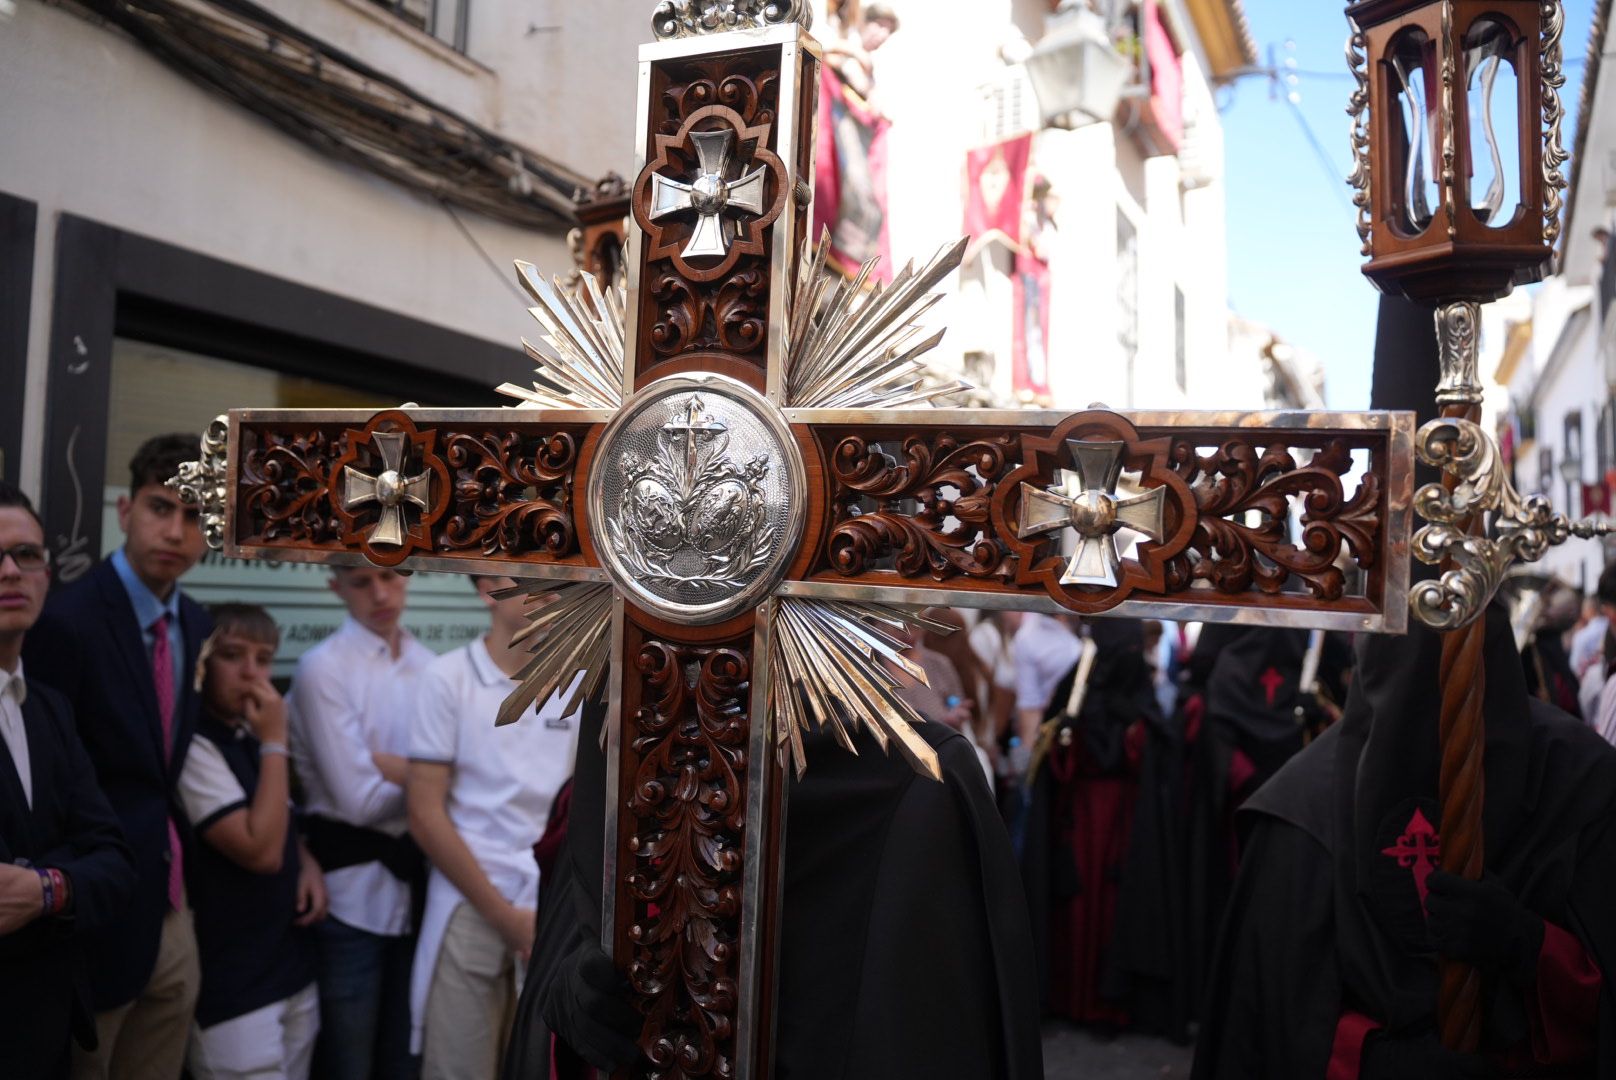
[(904, 943), (1123, 869), (1324, 922)]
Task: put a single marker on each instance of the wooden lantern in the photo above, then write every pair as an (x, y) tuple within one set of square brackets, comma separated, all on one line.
[(1456, 139)]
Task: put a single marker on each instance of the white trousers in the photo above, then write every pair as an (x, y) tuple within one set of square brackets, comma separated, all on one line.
[(272, 1043)]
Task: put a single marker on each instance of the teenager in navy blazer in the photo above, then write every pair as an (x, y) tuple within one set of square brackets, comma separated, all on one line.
[(98, 644), (64, 868)]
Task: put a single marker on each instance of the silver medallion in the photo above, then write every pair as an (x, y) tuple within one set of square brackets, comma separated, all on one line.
[(698, 498)]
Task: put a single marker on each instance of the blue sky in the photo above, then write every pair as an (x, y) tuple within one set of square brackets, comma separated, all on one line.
[(1293, 250)]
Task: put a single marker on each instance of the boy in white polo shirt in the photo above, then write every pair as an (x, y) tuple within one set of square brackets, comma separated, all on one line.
[(479, 797)]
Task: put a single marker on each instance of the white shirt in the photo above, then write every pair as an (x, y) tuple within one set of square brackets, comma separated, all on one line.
[(13, 692), (1588, 644), (350, 698), (1044, 650), (207, 789), (504, 783), (988, 644)]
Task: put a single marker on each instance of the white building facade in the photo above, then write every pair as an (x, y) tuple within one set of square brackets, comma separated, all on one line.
[(1560, 376), (169, 250), (1137, 252)]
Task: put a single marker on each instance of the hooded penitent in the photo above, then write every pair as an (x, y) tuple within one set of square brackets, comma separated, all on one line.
[(1329, 957), (1101, 829), (903, 941), (1255, 687)]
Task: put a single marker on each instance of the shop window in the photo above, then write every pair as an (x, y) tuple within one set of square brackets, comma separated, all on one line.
[(155, 390)]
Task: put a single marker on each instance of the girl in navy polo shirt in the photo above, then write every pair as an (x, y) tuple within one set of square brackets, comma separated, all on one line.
[(253, 887)]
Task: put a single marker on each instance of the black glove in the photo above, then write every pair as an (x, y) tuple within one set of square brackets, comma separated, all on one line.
[(588, 1009), (1419, 1057), (1481, 923)]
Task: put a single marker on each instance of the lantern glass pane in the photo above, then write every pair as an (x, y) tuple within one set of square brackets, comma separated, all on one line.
[(1417, 123), (1494, 101)]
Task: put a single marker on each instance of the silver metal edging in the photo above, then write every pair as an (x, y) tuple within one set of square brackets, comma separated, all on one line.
[(420, 417), (1167, 610), (746, 37), (423, 564), (787, 241), (633, 250), (784, 236), (1400, 461), (1045, 419), (232, 488), (760, 763), (614, 775)]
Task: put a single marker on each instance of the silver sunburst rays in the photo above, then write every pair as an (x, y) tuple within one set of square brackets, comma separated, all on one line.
[(568, 632), (853, 346), (833, 665), (583, 324), (839, 666)]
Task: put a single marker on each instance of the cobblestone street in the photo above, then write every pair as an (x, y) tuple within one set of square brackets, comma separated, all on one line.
[(1072, 1053)]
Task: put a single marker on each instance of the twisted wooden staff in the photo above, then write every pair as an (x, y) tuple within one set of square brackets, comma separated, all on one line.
[(1461, 782)]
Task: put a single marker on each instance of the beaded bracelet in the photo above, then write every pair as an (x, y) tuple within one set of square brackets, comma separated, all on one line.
[(54, 887)]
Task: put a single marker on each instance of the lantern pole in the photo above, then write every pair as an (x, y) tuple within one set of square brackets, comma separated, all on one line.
[(1452, 255), (1461, 781)]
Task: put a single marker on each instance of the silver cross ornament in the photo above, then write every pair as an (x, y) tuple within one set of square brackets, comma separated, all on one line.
[(711, 195), (391, 489), (1094, 501)]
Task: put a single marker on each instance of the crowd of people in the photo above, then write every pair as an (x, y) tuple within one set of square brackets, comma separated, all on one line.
[(201, 877)]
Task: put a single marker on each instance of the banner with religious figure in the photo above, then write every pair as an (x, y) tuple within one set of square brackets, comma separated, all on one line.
[(850, 181), (996, 192), (1029, 372)]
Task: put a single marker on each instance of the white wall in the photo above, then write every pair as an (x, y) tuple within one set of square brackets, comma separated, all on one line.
[(93, 125), (1568, 385), (936, 122)]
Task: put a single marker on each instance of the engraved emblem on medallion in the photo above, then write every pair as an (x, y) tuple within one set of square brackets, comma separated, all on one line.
[(699, 503), (692, 512)]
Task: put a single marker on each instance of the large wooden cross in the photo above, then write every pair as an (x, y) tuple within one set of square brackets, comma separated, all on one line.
[(729, 485)]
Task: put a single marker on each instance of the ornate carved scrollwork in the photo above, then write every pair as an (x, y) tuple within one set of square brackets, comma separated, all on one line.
[(1358, 109), (946, 537), (512, 495), (1235, 556), (284, 491), (689, 807), (1554, 151), (205, 483), (730, 318), (702, 303), (1521, 529)]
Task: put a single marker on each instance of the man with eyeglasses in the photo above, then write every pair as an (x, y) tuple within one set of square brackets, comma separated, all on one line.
[(121, 644), (64, 868)]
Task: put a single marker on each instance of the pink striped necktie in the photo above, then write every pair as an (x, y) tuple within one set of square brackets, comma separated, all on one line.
[(162, 657)]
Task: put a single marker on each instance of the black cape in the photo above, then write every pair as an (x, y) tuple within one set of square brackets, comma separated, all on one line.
[(1321, 921), (1255, 687), (904, 943), (1145, 970)]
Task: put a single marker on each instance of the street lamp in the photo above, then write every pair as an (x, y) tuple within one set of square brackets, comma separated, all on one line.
[(1571, 468), (1076, 72)]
